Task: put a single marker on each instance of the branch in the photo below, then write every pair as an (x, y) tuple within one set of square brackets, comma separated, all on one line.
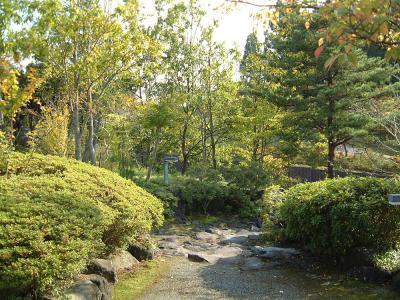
[(271, 5), (252, 4)]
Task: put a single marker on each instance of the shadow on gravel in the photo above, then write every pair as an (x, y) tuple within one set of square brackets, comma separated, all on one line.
[(284, 282)]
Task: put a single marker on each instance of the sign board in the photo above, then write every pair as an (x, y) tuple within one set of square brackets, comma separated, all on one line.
[(171, 158), (394, 199), (168, 158)]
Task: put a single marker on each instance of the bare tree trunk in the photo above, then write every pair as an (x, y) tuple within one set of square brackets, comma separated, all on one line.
[(77, 131), (90, 141), (75, 116), (212, 137), (331, 138), (154, 154), (204, 140), (331, 160), (183, 149)]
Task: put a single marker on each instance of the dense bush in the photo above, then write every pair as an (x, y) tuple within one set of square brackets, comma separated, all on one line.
[(200, 196), (56, 214), (335, 216), (162, 192)]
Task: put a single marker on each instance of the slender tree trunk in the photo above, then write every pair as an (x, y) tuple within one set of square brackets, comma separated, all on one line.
[(90, 142), (203, 146), (77, 130), (183, 148), (256, 142), (331, 138), (75, 116), (154, 154), (204, 140), (212, 137), (331, 160)]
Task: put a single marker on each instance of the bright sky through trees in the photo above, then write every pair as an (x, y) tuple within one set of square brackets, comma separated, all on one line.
[(234, 25)]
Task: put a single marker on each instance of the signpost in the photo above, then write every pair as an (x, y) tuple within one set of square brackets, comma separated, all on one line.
[(394, 199), (168, 158)]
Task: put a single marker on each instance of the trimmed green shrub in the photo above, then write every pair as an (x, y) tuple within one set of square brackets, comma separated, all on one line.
[(200, 196), (163, 193), (332, 217), (57, 213)]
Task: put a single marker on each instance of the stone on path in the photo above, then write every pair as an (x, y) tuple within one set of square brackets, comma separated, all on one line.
[(197, 257), (255, 236), (167, 245), (207, 237), (240, 238), (222, 255)]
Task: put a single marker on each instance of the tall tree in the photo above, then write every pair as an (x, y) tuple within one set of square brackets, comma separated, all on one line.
[(317, 93)]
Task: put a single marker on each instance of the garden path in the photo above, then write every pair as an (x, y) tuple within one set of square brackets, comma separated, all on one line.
[(225, 261)]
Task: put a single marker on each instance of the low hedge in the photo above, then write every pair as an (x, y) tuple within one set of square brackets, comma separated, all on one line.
[(333, 217), (57, 213)]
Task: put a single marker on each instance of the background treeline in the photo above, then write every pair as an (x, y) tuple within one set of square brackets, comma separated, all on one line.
[(89, 80), (103, 87)]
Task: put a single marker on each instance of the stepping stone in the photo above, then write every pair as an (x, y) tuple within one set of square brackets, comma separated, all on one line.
[(207, 237)]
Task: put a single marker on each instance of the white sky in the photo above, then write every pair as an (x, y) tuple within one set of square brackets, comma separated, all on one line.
[(234, 26)]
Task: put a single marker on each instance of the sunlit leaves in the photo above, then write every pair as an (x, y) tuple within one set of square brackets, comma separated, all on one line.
[(371, 21)]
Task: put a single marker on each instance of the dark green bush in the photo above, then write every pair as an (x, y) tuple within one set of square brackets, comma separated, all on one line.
[(200, 196), (335, 216), (163, 193), (57, 213)]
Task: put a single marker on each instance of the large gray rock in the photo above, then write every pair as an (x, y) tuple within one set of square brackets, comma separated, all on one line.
[(197, 257), (235, 239), (141, 252), (103, 268), (123, 261), (207, 237), (275, 252), (165, 244), (255, 236), (214, 230), (240, 238), (89, 287)]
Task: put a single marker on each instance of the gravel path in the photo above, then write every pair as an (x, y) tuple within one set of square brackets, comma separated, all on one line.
[(233, 274), (189, 280)]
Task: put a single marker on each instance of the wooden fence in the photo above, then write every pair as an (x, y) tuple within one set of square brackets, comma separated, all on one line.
[(304, 173)]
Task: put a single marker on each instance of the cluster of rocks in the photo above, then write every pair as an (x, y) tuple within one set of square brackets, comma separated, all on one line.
[(225, 245), (100, 274)]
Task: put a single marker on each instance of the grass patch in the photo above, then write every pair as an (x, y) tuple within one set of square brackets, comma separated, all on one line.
[(131, 285), (205, 219)]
